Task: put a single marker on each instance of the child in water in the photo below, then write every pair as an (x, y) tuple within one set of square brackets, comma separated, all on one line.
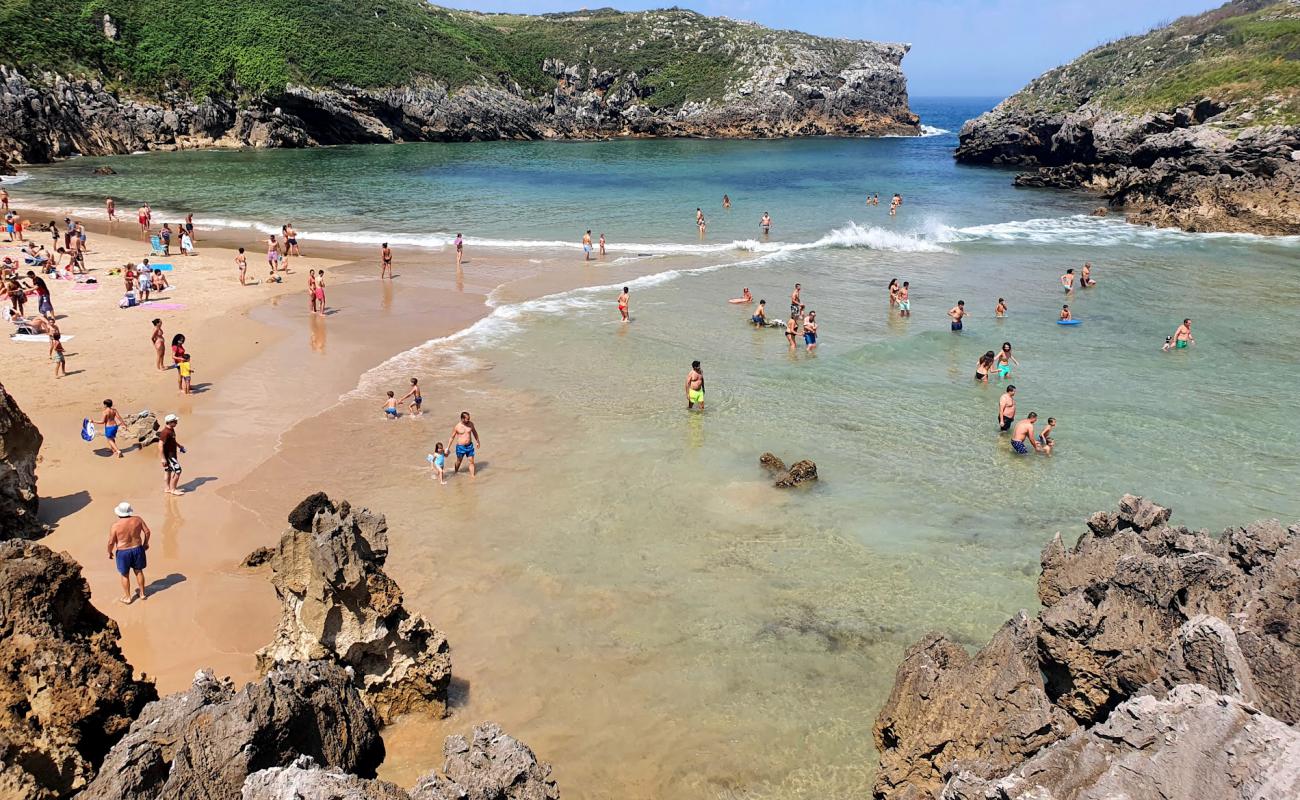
[(1045, 436), (438, 462), (390, 406)]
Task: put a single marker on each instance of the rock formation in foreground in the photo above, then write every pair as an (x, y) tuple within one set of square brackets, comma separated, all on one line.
[(339, 604), (20, 443), (403, 70), (493, 766), (1194, 125), (204, 742), (1163, 664), (66, 692)]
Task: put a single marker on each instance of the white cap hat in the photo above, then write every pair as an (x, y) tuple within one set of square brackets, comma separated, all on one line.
[(124, 509), (171, 418)]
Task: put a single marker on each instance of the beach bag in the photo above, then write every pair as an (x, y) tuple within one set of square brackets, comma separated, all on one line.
[(128, 300)]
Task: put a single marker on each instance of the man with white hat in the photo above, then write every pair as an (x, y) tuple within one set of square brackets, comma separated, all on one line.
[(128, 540), (169, 450)]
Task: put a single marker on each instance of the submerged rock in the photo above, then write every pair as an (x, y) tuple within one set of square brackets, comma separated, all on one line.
[(339, 604), (1100, 696), (104, 170), (66, 692), (800, 472), (771, 463), (20, 445), (206, 741)]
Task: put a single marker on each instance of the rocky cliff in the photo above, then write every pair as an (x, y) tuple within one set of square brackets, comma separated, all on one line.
[(1194, 125), (131, 75), (20, 444), (1162, 665)]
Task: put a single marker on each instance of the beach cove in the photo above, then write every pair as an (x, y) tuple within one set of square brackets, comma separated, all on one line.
[(621, 586)]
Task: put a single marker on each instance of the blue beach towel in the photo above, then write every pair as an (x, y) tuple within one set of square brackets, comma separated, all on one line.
[(87, 429), (161, 267)]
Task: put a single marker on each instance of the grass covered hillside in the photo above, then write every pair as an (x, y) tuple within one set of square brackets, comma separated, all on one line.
[(250, 47), (1245, 54)]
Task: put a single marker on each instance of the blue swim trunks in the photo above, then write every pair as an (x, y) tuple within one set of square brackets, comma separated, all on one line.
[(463, 450), (809, 338), (110, 431), (132, 558), (1019, 447), (392, 412)]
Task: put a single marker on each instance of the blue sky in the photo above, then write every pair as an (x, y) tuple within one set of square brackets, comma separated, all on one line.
[(959, 47)]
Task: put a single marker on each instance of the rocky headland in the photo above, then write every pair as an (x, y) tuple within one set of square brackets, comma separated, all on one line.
[(1194, 125), (1163, 665), (347, 657), (20, 446), (123, 81)]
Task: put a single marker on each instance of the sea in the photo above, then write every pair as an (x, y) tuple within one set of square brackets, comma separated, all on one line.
[(622, 586)]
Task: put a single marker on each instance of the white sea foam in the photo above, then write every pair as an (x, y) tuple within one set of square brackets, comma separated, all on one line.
[(18, 177), (930, 130), (1088, 231)]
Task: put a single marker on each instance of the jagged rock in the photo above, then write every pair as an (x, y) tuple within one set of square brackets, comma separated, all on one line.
[(1135, 616), (1099, 211), (949, 712), (66, 692), (20, 445), (494, 766), (141, 428), (258, 557), (105, 170), (205, 742), (305, 780), (339, 604), (771, 463), (800, 472), (1193, 744), (302, 515)]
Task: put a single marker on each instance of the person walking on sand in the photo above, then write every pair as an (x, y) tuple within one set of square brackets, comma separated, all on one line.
[(169, 450), (957, 313), (241, 263), (622, 305), (464, 436), (417, 399), (128, 539), (385, 261), (111, 421), (1067, 280), (586, 245), (460, 250), (142, 216), (810, 331), (1007, 409), (695, 387), (60, 359), (4, 199), (291, 241), (1024, 432), (111, 208), (159, 341)]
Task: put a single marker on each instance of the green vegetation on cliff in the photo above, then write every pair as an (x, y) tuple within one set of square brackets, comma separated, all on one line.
[(246, 47), (1245, 53)]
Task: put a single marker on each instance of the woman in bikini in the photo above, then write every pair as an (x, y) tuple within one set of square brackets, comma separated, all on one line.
[(159, 342), (1005, 360), (983, 366), (311, 289)]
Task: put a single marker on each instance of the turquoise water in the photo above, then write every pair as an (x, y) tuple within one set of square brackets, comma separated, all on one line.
[(622, 587)]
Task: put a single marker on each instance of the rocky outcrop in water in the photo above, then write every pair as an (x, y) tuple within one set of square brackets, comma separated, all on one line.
[(66, 693), (1144, 628), (20, 445), (798, 473), (491, 766), (206, 741), (339, 604), (1159, 125)]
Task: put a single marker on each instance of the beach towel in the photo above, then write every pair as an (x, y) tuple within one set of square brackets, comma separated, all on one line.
[(161, 267), (37, 337), (87, 429), (164, 306)]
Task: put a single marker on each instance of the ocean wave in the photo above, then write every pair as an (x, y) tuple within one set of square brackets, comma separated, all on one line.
[(17, 177), (1084, 230), (930, 130)]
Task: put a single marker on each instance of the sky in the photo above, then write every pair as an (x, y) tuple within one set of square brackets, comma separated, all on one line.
[(978, 48)]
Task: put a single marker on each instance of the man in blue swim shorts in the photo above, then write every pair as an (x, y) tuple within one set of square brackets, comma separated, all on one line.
[(111, 422), (128, 540), (1022, 438), (464, 436)]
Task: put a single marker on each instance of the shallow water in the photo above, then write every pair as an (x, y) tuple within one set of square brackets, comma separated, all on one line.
[(622, 588)]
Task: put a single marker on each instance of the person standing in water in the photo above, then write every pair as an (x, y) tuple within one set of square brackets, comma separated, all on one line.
[(464, 436), (894, 204), (586, 245), (385, 261), (695, 387), (602, 245), (792, 330), (957, 313), (1067, 280), (1005, 360), (1182, 337), (128, 539), (904, 299), (1065, 313), (1085, 280), (1007, 409), (1045, 436), (111, 208), (622, 304), (760, 316), (766, 223), (810, 331), (311, 289), (893, 293), (460, 250), (1001, 309), (417, 399), (983, 366), (320, 293), (726, 201), (796, 304), (1024, 432)]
